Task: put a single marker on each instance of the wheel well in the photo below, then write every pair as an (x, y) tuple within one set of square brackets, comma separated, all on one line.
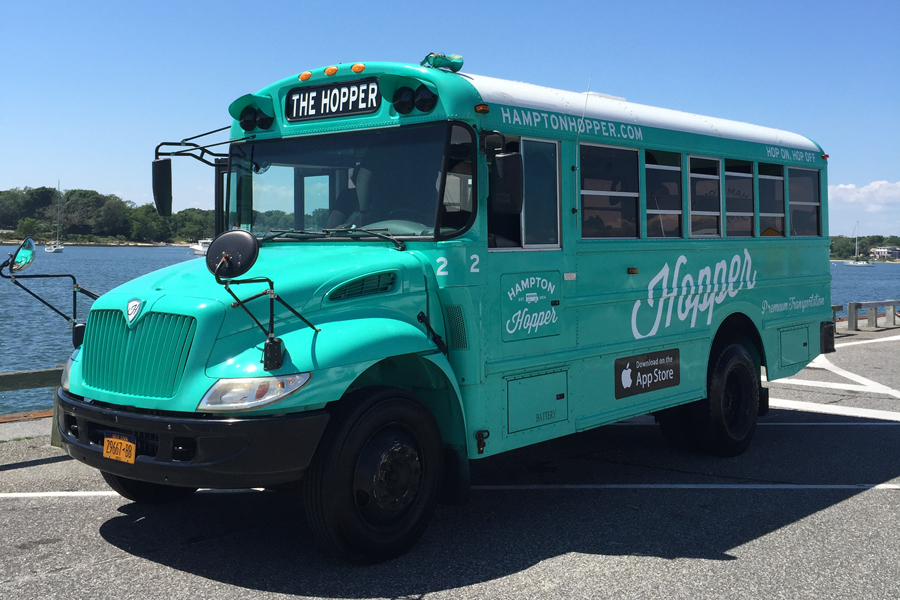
[(429, 383), (738, 328)]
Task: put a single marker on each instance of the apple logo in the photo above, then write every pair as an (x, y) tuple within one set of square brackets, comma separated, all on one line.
[(626, 376)]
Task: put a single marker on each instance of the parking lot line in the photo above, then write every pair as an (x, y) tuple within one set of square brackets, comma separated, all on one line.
[(834, 409), (691, 486)]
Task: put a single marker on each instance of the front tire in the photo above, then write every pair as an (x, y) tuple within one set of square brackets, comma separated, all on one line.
[(145, 492), (372, 486)]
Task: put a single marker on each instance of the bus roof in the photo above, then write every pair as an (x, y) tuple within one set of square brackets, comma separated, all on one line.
[(598, 106)]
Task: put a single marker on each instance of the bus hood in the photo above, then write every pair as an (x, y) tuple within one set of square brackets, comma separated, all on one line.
[(173, 331)]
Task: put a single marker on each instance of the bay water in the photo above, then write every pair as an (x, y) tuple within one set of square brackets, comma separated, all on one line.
[(34, 337)]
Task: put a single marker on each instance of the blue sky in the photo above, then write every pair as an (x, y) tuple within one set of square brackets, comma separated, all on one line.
[(87, 89)]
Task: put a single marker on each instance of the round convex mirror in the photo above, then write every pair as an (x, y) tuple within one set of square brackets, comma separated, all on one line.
[(23, 257), (232, 254)]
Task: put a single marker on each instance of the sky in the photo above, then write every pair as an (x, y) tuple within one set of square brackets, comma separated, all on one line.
[(88, 89)]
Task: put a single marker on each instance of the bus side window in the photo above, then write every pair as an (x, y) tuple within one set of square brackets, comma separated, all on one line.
[(540, 211), (771, 200), (538, 225), (609, 192), (804, 202), (504, 230)]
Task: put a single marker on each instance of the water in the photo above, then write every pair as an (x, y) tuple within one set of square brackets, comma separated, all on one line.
[(34, 337), (864, 284)]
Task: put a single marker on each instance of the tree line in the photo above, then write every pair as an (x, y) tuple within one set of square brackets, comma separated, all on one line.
[(845, 247), (89, 216)]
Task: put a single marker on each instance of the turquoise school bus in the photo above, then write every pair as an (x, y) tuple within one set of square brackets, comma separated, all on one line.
[(418, 267)]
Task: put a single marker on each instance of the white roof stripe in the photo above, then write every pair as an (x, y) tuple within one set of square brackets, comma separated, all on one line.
[(595, 106)]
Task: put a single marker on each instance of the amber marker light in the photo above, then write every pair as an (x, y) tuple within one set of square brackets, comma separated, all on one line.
[(632, 271), (331, 70), (358, 68), (482, 109), (305, 75)]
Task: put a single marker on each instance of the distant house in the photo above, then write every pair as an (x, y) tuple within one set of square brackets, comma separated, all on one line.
[(885, 252)]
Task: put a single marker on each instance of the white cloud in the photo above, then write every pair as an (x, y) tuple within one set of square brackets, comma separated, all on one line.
[(877, 193), (876, 206)]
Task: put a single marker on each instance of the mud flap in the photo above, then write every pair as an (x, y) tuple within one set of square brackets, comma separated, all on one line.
[(763, 401)]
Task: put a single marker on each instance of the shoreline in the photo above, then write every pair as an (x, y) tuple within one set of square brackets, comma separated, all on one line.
[(106, 244)]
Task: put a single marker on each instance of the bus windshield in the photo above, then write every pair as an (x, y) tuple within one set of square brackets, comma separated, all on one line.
[(388, 180)]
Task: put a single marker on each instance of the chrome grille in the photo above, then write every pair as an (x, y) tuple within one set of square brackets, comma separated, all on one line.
[(148, 360)]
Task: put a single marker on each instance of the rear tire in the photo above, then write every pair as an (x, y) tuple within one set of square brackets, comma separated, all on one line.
[(145, 492), (372, 486), (724, 423), (728, 419)]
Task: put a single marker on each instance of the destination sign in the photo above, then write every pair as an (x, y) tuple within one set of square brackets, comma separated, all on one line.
[(341, 99)]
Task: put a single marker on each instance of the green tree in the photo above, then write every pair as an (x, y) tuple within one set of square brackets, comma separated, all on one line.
[(37, 200), (317, 220), (113, 218), (12, 203), (842, 247), (192, 224), (82, 210), (29, 227), (147, 225)]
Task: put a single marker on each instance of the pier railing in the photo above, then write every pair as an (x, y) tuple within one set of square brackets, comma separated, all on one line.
[(890, 313), (29, 380)]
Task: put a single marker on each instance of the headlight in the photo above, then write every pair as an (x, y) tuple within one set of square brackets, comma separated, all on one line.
[(251, 392), (64, 380)]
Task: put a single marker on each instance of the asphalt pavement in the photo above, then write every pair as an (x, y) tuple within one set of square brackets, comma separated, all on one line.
[(811, 510)]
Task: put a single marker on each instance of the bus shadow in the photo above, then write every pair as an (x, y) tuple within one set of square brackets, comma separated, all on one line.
[(261, 541)]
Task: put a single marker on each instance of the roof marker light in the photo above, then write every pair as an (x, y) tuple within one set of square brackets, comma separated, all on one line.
[(331, 70), (305, 75), (358, 68), (482, 109), (825, 156)]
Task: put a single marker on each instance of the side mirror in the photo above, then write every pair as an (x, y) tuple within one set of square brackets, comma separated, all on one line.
[(162, 186), (232, 254), (506, 184), (78, 334), (23, 257)]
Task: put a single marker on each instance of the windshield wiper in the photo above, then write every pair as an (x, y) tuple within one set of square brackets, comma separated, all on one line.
[(379, 233), (292, 233)]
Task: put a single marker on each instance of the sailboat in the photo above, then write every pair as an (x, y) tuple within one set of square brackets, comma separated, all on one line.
[(56, 246), (856, 262)]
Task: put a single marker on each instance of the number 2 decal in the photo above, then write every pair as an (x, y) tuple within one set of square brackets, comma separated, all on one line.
[(475, 260), (442, 267)]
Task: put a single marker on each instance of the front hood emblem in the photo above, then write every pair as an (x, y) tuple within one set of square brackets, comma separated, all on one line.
[(134, 307)]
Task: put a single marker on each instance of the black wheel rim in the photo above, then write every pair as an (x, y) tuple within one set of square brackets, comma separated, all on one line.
[(388, 476), (736, 402)]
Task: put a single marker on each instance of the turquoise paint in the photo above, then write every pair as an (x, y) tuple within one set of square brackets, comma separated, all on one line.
[(500, 369)]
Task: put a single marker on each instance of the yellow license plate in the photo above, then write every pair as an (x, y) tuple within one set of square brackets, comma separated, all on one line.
[(119, 447)]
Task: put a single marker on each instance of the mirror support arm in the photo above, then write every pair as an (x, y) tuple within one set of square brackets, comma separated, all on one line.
[(44, 302)]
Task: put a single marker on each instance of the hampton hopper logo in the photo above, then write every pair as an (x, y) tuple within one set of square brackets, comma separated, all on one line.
[(647, 372), (529, 305)]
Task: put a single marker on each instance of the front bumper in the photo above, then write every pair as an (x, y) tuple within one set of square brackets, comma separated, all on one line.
[(193, 450)]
